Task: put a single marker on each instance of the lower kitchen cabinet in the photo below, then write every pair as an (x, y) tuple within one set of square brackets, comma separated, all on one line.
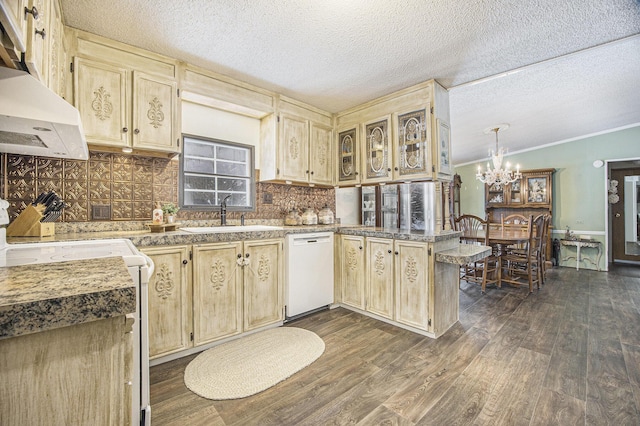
[(352, 271), (76, 375), (229, 288), (380, 276), (217, 291), (400, 282), (263, 278), (412, 284), (169, 300)]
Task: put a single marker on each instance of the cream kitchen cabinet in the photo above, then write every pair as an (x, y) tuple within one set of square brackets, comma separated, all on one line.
[(348, 152), (380, 276), (297, 144), (229, 288), (398, 135), (125, 108), (170, 321), (412, 284), (37, 38), (352, 273), (263, 283), (217, 291)]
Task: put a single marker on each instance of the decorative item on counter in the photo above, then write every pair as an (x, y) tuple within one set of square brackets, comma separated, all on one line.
[(157, 215), (293, 218), (169, 210), (36, 220), (325, 216), (309, 217)]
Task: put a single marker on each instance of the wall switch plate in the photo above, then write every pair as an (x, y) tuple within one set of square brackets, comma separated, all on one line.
[(267, 198), (101, 212)]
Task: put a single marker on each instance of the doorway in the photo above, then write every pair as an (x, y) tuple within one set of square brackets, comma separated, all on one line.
[(624, 214)]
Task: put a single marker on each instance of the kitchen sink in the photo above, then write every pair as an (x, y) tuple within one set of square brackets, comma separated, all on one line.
[(231, 228)]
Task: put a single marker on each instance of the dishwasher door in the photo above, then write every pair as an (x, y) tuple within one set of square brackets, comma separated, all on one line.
[(309, 272)]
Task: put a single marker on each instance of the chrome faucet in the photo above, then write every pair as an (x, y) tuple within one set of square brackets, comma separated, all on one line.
[(223, 211)]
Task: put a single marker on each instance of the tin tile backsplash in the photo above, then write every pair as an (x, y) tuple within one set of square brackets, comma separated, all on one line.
[(130, 186)]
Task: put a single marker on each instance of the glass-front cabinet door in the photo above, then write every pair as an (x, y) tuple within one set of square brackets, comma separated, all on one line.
[(377, 151), (348, 156), (413, 157)]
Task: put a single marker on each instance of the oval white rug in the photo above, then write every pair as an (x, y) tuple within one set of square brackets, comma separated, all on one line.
[(251, 364)]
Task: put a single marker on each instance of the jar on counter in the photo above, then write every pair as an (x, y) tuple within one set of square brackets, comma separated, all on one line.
[(309, 217), (293, 218), (325, 216)]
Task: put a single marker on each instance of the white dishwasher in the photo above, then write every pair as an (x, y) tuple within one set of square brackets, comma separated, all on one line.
[(309, 272)]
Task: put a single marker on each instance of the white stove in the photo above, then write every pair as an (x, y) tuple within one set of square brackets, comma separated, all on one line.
[(140, 268)]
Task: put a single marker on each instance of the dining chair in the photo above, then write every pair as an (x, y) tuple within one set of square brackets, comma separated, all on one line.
[(481, 272), (515, 221), (528, 263), (543, 247)]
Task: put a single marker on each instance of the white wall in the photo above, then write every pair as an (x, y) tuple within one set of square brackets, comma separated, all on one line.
[(200, 120)]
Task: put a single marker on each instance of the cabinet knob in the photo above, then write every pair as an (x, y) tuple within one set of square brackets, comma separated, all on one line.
[(184, 262), (246, 255), (136, 131), (389, 251), (125, 129), (356, 173), (360, 247), (32, 11), (389, 169), (396, 169), (312, 172), (42, 33), (239, 256), (396, 253)]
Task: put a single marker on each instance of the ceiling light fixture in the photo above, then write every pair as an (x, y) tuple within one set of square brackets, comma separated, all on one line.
[(498, 176)]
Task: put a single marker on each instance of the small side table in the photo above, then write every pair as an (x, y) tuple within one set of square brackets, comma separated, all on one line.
[(578, 244)]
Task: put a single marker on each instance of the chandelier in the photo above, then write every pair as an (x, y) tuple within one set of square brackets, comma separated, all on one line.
[(498, 176)]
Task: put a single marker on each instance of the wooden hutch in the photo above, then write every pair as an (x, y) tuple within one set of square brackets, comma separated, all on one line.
[(530, 195)]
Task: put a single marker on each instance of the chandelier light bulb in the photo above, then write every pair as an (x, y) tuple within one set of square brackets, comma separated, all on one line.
[(498, 176)]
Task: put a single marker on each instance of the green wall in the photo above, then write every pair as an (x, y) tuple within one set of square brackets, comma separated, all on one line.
[(579, 189)]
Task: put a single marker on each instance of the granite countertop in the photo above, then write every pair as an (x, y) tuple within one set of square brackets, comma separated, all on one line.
[(40, 297), (145, 238), (463, 254)]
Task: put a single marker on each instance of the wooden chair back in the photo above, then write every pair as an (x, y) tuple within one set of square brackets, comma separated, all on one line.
[(469, 222)]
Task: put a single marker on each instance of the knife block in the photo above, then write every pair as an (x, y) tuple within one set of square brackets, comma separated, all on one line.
[(28, 224)]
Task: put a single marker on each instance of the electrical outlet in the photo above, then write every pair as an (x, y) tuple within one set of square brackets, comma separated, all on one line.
[(267, 198), (101, 212), (580, 222)]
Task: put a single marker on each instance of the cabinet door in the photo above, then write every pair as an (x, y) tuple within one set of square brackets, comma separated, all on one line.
[(217, 291), (38, 31), (294, 153), (263, 295), (169, 301), (154, 113), (100, 94), (14, 22), (57, 53), (352, 270), (348, 165), (320, 158), (412, 295), (377, 159), (379, 271), (412, 154)]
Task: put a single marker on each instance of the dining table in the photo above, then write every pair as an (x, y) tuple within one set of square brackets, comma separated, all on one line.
[(499, 238)]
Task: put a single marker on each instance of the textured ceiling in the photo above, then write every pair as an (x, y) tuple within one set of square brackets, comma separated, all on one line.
[(335, 54)]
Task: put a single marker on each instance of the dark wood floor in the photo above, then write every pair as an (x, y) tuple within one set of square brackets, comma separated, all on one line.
[(567, 355)]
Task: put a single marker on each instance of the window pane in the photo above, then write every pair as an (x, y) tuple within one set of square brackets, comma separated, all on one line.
[(199, 182), (232, 153), (197, 149), (199, 165), (235, 185), (237, 199), (199, 198), (232, 169)]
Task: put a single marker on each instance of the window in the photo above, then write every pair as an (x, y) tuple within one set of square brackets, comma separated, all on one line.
[(212, 170)]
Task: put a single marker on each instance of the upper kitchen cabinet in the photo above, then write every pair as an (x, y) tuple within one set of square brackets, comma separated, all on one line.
[(127, 98), (297, 144), (35, 38), (348, 164), (397, 137)]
